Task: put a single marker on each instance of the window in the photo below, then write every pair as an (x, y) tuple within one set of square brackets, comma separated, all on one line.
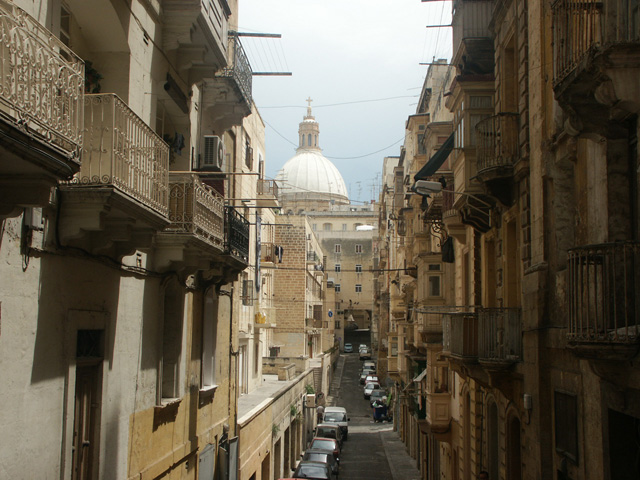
[(434, 286), (344, 227), (566, 424), (247, 292), (358, 268), (314, 227), (337, 323), (170, 386), (326, 227), (355, 227), (338, 268), (209, 339), (358, 248), (338, 248), (65, 26), (337, 287), (248, 155), (358, 288)]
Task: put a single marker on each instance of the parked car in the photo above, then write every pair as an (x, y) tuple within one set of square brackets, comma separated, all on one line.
[(338, 415), (377, 396), (362, 347), (370, 387), (330, 430), (348, 348), (313, 471), (329, 445), (365, 354), (365, 373), (322, 457), (371, 378), (369, 363)]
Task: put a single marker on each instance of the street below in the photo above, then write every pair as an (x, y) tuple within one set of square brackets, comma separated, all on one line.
[(367, 454)]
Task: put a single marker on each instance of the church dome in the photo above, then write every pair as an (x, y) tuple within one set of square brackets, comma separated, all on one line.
[(308, 174)]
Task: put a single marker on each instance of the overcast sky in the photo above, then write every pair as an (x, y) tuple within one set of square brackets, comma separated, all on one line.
[(359, 62)]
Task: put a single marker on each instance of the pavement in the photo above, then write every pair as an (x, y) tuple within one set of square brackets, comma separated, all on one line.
[(402, 466)]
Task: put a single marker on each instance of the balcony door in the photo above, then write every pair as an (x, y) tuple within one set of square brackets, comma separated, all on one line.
[(86, 409)]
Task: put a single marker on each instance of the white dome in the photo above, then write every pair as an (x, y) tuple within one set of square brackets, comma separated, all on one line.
[(311, 172)]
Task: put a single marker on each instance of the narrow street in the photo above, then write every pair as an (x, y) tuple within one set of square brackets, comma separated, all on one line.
[(373, 450)]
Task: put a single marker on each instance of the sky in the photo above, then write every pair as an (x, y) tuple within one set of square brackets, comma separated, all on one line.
[(358, 60)]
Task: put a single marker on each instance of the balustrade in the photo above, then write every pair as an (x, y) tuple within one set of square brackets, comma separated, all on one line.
[(121, 150), (195, 208), (604, 294), (41, 81)]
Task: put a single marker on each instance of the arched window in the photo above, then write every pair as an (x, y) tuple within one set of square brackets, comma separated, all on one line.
[(309, 137)]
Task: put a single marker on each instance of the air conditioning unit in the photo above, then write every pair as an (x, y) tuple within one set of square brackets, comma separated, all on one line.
[(310, 400), (212, 154)]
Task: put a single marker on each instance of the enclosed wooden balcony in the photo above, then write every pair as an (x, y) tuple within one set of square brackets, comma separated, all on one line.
[(604, 300), (460, 336), (267, 194), (120, 197), (500, 339), (596, 56), (497, 153), (41, 109)]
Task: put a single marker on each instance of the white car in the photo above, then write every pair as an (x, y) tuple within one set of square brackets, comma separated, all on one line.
[(337, 415), (370, 387)]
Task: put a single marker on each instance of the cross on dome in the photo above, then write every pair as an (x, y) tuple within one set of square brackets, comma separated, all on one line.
[(309, 100)]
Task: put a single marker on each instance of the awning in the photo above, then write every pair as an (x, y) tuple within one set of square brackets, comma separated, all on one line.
[(435, 162), (421, 376)]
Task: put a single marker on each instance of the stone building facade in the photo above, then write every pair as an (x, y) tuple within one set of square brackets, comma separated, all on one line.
[(527, 368)]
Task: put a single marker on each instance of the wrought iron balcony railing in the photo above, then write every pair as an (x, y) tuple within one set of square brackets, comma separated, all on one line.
[(460, 335), (122, 151), (497, 138), (431, 320), (236, 234), (576, 30), (41, 81), (196, 209), (239, 68), (604, 293), (500, 340)]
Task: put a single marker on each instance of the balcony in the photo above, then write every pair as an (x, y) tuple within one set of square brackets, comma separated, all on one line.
[(595, 47), (603, 296), (438, 411), (227, 98), (267, 194), (268, 257), (497, 153), (430, 323), (195, 236), (460, 336), (196, 30), (500, 343), (119, 198), (41, 108), (472, 40), (236, 231)]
